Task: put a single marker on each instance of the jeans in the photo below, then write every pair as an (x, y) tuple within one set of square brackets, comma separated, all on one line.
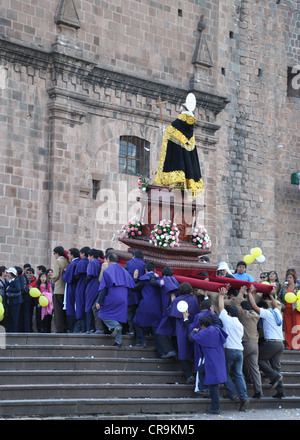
[(214, 396), (234, 365), (111, 325)]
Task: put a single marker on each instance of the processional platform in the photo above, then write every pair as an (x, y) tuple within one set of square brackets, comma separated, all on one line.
[(163, 203)]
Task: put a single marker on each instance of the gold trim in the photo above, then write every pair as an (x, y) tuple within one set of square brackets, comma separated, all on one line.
[(187, 118)]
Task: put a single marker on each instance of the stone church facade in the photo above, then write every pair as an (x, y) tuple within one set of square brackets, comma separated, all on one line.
[(79, 86)]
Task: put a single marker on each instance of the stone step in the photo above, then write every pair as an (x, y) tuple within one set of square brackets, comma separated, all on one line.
[(68, 339), (116, 390), (89, 377), (110, 406), (91, 363), (34, 351)]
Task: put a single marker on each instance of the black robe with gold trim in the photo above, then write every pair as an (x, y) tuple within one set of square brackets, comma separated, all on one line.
[(178, 163)]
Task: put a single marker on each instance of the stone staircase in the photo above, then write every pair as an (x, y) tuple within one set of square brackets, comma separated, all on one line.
[(59, 375)]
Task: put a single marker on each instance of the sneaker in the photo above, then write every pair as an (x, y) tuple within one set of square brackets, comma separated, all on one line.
[(258, 395), (279, 395), (116, 344), (141, 345), (190, 380), (213, 411), (171, 354)]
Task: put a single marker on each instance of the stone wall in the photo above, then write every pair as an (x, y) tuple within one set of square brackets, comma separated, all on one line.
[(76, 75)]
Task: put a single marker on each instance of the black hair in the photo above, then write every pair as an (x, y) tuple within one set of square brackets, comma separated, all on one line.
[(138, 254), (263, 304), (38, 283), (205, 304), (2, 269), (19, 270), (246, 305), (150, 266), (74, 252), (59, 250), (113, 257), (93, 253), (42, 268), (30, 269), (84, 250), (185, 289), (205, 258), (233, 311), (26, 265), (232, 291), (204, 273), (167, 271), (205, 320)]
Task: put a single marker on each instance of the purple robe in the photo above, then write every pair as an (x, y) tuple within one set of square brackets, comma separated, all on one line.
[(185, 346), (149, 311), (117, 280), (92, 287), (134, 297), (80, 273), (70, 280), (167, 325), (195, 324), (212, 339)]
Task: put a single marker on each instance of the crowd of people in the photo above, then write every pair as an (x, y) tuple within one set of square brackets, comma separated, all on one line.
[(229, 336)]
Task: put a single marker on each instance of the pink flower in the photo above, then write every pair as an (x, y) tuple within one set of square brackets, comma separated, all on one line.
[(132, 233), (140, 232), (159, 231)]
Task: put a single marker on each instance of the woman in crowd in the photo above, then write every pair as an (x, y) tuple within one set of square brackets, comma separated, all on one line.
[(291, 316), (14, 300)]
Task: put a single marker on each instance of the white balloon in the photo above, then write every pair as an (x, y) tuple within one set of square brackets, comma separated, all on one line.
[(261, 259), (182, 306)]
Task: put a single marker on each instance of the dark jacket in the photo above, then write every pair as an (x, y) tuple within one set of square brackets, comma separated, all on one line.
[(13, 292)]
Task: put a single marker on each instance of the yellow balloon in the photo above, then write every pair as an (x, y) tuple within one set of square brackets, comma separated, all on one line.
[(1, 299), (34, 292), (249, 259), (1, 309), (265, 282), (298, 306), (256, 252), (43, 300), (290, 297), (298, 295)]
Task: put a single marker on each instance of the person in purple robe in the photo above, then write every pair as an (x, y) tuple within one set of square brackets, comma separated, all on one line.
[(71, 283), (80, 275), (211, 339), (137, 263), (206, 309), (166, 329), (92, 287), (149, 311), (113, 297), (185, 346)]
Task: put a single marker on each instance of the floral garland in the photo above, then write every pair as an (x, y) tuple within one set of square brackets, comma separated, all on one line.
[(200, 238), (132, 229), (165, 234), (143, 184)]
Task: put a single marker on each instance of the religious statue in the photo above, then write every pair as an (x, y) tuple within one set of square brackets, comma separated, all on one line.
[(178, 165)]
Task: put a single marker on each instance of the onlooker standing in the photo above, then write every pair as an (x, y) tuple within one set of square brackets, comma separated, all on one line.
[(14, 300), (60, 264), (270, 350), (92, 287), (291, 316), (240, 272), (233, 351)]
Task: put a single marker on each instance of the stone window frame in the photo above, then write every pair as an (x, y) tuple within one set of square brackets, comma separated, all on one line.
[(134, 156)]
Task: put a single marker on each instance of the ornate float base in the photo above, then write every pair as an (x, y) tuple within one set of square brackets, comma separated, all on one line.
[(161, 203)]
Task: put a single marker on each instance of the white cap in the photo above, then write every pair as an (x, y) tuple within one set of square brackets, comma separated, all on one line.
[(223, 265), (12, 270), (190, 104)]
